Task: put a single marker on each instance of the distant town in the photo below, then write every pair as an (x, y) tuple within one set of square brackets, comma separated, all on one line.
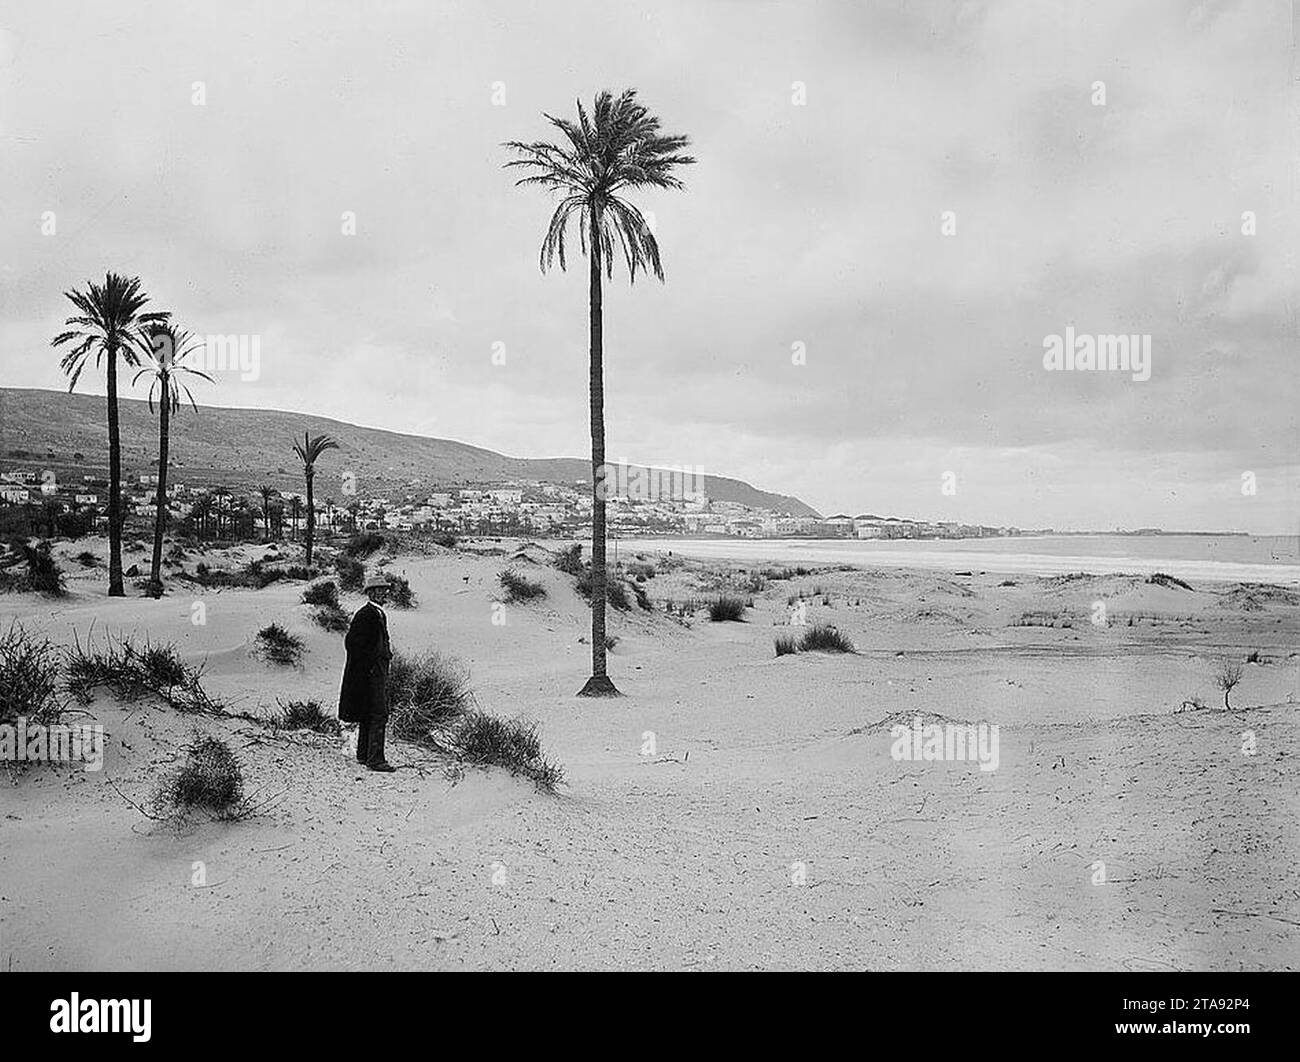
[(60, 506)]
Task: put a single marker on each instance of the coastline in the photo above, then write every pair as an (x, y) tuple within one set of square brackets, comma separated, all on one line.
[(869, 554)]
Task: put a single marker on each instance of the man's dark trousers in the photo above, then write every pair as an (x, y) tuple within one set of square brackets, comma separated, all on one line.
[(371, 730)]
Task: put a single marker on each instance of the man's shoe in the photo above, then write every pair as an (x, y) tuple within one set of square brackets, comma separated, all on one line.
[(387, 768)]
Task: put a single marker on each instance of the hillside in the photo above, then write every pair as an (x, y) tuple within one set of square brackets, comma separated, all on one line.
[(248, 447)]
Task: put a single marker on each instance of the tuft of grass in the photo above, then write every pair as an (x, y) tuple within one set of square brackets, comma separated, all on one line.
[(253, 576), (30, 672), (257, 575), (615, 588), (427, 693), (364, 543), (1161, 579), (444, 538), (351, 573), (209, 780), (569, 560), (400, 593), (642, 598), (305, 715), (727, 609), (520, 587), (278, 646), (786, 644), (42, 576), (432, 706), (489, 741), (824, 639), (332, 618), (87, 559), (130, 673), (322, 593)]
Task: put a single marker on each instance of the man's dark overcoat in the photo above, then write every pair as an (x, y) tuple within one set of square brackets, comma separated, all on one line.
[(368, 649)]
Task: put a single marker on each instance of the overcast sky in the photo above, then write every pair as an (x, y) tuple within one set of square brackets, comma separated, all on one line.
[(831, 139)]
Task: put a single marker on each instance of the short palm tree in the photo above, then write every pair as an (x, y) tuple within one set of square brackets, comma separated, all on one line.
[(616, 149), (106, 321), (267, 492), (163, 349), (309, 451), (199, 513)]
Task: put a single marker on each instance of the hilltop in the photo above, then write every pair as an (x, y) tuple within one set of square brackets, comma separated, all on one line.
[(249, 447)]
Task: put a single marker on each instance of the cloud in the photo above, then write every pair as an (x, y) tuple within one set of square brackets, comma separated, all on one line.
[(816, 224)]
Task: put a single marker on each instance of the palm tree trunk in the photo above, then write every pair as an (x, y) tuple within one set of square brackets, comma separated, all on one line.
[(115, 588), (160, 517), (311, 516), (599, 685)]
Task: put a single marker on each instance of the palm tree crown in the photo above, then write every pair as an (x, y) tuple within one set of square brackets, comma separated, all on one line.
[(309, 450), (164, 349), (616, 148), (108, 319)]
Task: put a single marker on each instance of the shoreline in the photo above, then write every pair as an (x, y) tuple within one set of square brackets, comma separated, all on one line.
[(809, 551)]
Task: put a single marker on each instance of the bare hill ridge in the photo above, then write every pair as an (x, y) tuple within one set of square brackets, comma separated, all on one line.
[(248, 447)]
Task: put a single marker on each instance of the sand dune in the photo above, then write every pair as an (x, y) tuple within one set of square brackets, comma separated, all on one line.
[(768, 827)]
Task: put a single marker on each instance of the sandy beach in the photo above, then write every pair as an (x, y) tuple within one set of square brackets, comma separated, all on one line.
[(735, 809)]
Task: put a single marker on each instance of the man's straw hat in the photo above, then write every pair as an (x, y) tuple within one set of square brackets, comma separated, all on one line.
[(375, 582)]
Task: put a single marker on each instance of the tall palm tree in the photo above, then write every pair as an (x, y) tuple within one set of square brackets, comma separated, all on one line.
[(617, 148), (309, 451), (163, 348), (107, 317)]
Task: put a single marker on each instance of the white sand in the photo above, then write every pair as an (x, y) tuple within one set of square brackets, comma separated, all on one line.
[(690, 857)]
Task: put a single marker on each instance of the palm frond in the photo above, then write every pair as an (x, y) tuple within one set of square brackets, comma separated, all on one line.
[(309, 450), (163, 347), (107, 315), (617, 145)]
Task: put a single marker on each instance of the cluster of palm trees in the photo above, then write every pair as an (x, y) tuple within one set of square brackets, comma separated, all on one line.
[(111, 323), (615, 148)]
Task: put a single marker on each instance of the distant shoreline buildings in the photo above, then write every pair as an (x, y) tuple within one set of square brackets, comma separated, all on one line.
[(529, 507), (516, 507)]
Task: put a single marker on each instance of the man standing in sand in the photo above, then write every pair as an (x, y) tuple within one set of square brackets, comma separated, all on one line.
[(364, 697)]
